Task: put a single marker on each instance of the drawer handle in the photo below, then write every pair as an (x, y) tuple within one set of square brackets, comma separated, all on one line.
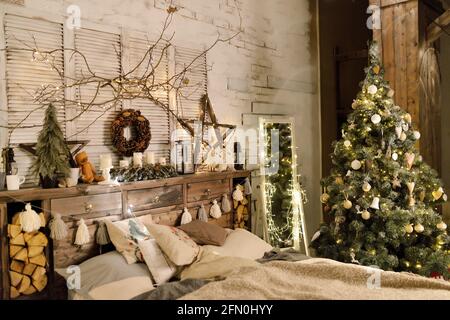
[(156, 199), (88, 207), (208, 191)]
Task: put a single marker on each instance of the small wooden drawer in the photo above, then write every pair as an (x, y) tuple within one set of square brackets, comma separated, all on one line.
[(89, 206), (147, 199), (199, 191)]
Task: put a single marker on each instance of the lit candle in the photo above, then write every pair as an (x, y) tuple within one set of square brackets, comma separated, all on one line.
[(105, 161), (137, 159), (150, 158), (162, 160)]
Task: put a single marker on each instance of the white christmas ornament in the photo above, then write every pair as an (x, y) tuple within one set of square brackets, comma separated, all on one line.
[(405, 127), (419, 228), (403, 136), (215, 210), (390, 93), (445, 198), (376, 119), (356, 164), (365, 215), (315, 236), (395, 156), (416, 135), (366, 187), (441, 226), (347, 143), (407, 118), (29, 219), (375, 203), (372, 89), (186, 217), (398, 131)]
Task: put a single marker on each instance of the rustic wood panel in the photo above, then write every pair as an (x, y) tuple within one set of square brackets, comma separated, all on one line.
[(147, 199), (4, 290), (206, 190), (102, 203)]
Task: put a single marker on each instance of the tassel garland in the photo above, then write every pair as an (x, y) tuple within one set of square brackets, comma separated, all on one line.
[(82, 236), (186, 217), (226, 205), (247, 187), (58, 228), (215, 210), (201, 215), (29, 219), (102, 236)]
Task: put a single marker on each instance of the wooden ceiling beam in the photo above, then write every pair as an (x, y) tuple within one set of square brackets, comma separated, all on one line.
[(434, 30)]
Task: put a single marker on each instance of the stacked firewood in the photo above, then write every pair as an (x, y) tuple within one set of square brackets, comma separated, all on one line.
[(27, 268)]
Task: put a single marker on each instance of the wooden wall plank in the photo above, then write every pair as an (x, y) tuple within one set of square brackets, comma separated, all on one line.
[(400, 56)]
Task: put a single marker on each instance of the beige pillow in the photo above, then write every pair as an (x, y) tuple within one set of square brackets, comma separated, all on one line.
[(161, 268), (125, 235), (241, 243), (175, 243), (210, 265), (205, 233)]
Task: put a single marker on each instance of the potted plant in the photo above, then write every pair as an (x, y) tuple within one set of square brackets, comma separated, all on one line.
[(51, 151)]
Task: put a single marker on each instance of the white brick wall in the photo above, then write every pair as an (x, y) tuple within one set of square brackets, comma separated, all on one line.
[(270, 62)]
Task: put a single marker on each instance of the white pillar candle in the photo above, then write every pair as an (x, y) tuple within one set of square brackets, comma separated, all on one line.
[(137, 159), (150, 158), (124, 163), (105, 161), (162, 160)]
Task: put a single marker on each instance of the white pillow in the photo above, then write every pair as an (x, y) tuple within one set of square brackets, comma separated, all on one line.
[(161, 268), (109, 277), (243, 244), (175, 244)]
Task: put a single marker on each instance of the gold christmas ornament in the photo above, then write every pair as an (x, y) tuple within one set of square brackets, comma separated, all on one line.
[(347, 144), (354, 105), (347, 204), (409, 158), (324, 198), (437, 194), (396, 183), (409, 228), (339, 180), (422, 195), (390, 93), (441, 226), (411, 201), (376, 69), (407, 118), (403, 136), (365, 215), (419, 228), (366, 187), (411, 186), (356, 164)]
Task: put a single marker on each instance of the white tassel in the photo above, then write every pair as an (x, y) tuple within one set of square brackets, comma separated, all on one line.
[(247, 187), (58, 228), (215, 210), (82, 236), (226, 205), (201, 215), (237, 194), (29, 219), (186, 217)]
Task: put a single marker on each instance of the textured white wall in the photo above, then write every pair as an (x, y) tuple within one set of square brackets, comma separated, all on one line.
[(269, 64)]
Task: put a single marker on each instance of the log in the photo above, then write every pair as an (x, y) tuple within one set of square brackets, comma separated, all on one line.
[(43, 221), (18, 240), (38, 273), (38, 240), (13, 250), (24, 284), (34, 251), (28, 235), (30, 290), (16, 219), (22, 255), (17, 266), (13, 293), (41, 283), (29, 269), (13, 231), (40, 260), (15, 278)]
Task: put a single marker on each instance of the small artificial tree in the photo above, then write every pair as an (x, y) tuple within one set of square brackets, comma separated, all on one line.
[(51, 151), (381, 198)]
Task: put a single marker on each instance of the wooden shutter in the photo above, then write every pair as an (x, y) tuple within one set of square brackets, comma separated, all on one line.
[(159, 118), (100, 49), (24, 76)]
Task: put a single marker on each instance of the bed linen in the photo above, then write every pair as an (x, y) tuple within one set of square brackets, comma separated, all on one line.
[(320, 279)]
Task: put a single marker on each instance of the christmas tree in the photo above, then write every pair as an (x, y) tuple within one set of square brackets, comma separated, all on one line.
[(51, 150), (381, 198)]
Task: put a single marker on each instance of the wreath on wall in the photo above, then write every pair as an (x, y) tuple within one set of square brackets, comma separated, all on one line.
[(131, 118)]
